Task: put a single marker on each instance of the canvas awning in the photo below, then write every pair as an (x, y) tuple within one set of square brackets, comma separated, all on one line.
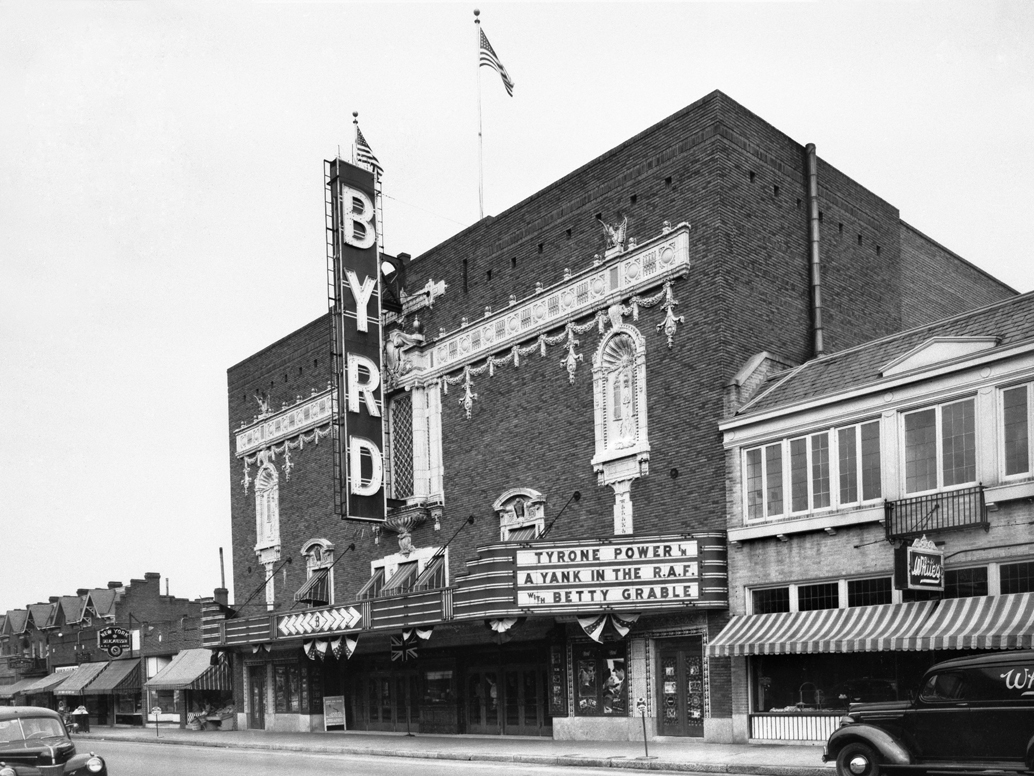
[(119, 677), (192, 669), (982, 622), (80, 677), (316, 590), (47, 683), (18, 688), (856, 629)]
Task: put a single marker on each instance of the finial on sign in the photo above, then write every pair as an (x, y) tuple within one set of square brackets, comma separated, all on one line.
[(477, 13), (355, 117)]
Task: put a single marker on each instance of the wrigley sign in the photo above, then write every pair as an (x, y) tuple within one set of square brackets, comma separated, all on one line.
[(629, 574)]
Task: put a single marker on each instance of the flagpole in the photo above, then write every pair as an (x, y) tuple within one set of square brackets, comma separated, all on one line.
[(481, 170)]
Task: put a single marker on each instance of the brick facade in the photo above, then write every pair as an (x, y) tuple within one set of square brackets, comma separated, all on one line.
[(741, 185)]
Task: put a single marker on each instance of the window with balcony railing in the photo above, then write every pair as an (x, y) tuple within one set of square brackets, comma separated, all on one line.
[(827, 470), (940, 446)]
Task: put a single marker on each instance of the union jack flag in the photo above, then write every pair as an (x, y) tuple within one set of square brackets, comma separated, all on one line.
[(403, 649)]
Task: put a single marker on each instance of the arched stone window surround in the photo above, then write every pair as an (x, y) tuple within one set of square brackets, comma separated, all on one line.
[(267, 507), (619, 391), (520, 511)]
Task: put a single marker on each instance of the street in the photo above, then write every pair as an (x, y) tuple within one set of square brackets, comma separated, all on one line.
[(133, 759)]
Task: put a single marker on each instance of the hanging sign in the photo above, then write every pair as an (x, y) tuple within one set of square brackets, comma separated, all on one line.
[(919, 566), (357, 314), (113, 640)]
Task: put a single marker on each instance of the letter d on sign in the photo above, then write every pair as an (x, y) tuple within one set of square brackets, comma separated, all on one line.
[(364, 486), (357, 218)]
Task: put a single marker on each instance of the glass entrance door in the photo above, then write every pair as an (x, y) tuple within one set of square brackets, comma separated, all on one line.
[(256, 697), (510, 701), (389, 701), (680, 687)]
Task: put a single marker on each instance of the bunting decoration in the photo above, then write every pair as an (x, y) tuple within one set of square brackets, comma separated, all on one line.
[(309, 648), (255, 648), (345, 645), (594, 624), (321, 648), (502, 625)]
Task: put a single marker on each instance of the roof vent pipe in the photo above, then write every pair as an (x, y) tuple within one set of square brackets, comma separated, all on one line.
[(818, 347)]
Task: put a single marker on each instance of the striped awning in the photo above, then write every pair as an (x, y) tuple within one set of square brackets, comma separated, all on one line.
[(18, 688), (192, 669), (79, 678), (856, 629), (982, 622), (47, 683), (120, 677), (316, 589)]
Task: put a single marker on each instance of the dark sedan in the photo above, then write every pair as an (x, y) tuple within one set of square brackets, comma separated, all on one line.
[(34, 741)]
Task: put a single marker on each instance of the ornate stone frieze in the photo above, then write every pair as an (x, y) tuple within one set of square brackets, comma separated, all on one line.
[(288, 422)]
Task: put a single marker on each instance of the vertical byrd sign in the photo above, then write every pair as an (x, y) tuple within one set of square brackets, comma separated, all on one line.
[(357, 339)]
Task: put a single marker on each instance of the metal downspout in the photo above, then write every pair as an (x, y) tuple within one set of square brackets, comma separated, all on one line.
[(818, 347)]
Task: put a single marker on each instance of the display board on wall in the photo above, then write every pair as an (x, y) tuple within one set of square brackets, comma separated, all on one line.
[(557, 681)]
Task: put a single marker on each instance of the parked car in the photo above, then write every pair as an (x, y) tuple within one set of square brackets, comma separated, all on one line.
[(34, 740), (970, 713)]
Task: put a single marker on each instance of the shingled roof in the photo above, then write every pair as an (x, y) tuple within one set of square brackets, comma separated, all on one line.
[(42, 614), (16, 620), (1011, 321)]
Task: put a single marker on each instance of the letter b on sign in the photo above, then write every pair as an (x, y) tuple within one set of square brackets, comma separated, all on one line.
[(357, 219)]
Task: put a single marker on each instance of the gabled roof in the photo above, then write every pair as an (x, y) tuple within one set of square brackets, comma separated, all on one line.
[(16, 620), (42, 615), (101, 600), (69, 610), (1010, 321)]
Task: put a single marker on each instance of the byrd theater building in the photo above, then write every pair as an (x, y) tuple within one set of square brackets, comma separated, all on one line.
[(486, 492)]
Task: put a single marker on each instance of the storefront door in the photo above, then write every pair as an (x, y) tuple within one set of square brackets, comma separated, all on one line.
[(510, 701), (389, 701), (680, 687), (256, 697)]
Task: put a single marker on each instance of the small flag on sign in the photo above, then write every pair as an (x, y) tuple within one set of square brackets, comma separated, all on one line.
[(489, 59), (364, 154)]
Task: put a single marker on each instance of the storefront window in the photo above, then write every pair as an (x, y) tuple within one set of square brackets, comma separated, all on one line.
[(828, 683), (602, 680), (773, 599), (1017, 578), (823, 596), (438, 687), (291, 693), (869, 592), (964, 583)]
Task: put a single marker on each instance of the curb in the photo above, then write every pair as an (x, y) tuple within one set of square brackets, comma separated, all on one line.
[(567, 761)]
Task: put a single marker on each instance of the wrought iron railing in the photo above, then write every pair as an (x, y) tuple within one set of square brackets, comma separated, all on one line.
[(936, 512)]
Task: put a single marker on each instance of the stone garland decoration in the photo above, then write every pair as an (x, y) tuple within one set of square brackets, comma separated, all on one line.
[(285, 448), (570, 361)]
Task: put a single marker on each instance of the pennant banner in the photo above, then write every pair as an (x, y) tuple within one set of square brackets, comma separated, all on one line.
[(321, 649), (309, 648), (424, 633), (501, 625), (594, 624)]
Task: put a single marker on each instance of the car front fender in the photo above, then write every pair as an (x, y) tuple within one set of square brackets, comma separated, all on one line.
[(77, 765), (891, 749)]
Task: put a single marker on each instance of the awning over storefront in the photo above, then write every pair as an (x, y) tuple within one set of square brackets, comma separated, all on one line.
[(192, 669), (119, 677), (856, 629), (983, 622), (79, 678), (47, 683), (18, 688)]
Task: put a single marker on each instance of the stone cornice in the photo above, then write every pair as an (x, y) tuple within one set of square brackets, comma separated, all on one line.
[(305, 414)]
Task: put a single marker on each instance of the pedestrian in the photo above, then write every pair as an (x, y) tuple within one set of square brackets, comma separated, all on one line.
[(82, 719)]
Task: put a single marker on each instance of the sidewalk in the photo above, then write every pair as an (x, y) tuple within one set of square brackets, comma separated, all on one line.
[(679, 755)]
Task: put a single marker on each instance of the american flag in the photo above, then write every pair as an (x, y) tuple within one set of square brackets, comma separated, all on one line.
[(489, 59), (364, 154)]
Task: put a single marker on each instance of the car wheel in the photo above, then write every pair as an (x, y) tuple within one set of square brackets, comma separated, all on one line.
[(858, 759)]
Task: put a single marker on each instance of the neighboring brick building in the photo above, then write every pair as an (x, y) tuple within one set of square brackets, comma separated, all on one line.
[(533, 357), (836, 468), (54, 639)]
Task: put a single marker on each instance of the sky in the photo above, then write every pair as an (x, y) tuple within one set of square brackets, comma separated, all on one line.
[(161, 198)]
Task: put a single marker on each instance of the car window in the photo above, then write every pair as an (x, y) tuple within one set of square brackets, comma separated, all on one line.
[(939, 688), (29, 728)]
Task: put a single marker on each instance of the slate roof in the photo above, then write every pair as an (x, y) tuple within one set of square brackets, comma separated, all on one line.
[(102, 599), (70, 610), (17, 620), (1011, 320), (42, 614)]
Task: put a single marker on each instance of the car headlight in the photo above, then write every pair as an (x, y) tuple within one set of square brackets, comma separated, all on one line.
[(7, 771), (93, 765)]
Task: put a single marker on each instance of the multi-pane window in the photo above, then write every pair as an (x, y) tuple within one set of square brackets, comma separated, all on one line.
[(869, 592), (403, 579), (940, 446), (822, 596), (964, 583), (827, 469), (1017, 577), (1016, 414), (772, 599), (401, 429)]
